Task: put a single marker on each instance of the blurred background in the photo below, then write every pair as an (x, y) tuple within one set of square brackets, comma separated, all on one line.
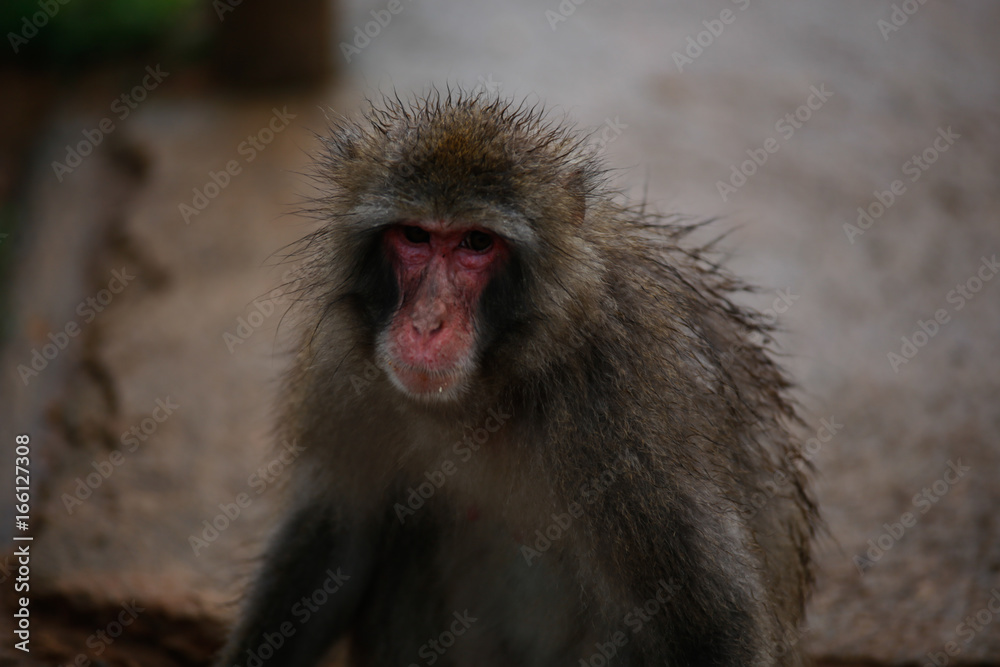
[(153, 154)]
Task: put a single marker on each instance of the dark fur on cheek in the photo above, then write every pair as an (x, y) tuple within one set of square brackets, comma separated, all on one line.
[(503, 309), (375, 292)]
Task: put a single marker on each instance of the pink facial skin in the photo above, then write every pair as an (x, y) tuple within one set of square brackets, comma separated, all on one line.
[(442, 270)]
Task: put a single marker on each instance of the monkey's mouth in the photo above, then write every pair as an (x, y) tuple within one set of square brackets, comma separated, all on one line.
[(424, 382)]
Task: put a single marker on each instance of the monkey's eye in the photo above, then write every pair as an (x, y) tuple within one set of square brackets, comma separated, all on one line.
[(415, 234), (478, 241)]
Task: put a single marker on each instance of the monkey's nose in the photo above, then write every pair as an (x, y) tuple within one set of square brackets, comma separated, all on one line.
[(426, 328), (428, 321)]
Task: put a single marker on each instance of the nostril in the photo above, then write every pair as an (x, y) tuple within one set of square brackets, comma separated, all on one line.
[(427, 326), (429, 319)]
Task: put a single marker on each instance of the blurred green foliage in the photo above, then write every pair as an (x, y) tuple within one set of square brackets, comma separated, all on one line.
[(70, 33)]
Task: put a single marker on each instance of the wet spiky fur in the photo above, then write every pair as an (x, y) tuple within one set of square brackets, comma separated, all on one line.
[(619, 354)]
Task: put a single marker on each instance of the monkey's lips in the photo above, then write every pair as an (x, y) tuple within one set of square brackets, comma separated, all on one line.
[(424, 382)]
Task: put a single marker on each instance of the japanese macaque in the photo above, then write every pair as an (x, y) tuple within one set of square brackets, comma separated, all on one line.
[(537, 428)]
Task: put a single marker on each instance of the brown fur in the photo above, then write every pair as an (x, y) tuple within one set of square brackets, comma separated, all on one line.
[(615, 350)]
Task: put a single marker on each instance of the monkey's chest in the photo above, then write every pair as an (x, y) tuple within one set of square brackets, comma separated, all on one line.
[(470, 592)]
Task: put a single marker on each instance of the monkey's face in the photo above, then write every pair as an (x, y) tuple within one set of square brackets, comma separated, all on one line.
[(429, 347)]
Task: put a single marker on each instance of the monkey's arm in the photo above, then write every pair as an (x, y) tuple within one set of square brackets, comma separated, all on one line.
[(306, 594), (700, 574), (684, 587)]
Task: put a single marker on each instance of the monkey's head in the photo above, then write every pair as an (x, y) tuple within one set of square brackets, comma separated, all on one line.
[(452, 224)]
